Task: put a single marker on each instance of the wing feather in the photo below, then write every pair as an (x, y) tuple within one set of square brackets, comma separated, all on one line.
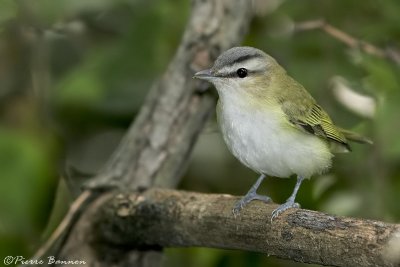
[(305, 114)]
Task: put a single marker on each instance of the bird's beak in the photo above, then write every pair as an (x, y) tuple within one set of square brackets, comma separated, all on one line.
[(204, 75)]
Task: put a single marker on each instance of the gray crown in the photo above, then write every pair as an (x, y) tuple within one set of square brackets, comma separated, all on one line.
[(237, 55)]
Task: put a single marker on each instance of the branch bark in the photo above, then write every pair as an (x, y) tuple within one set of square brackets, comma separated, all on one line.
[(156, 148), (159, 218)]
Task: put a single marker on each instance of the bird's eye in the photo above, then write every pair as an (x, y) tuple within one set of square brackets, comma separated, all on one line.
[(242, 72)]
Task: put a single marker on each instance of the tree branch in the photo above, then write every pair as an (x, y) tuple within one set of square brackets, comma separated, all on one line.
[(155, 150), (390, 54), (168, 218)]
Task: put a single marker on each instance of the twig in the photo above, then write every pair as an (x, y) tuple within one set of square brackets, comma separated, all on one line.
[(349, 40), (55, 241)]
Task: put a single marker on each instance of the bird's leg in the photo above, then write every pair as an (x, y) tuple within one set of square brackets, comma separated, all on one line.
[(251, 195), (290, 201)]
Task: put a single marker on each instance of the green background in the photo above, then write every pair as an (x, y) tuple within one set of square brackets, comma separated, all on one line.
[(74, 73)]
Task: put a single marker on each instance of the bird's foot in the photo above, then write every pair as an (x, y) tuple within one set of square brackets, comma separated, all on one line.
[(289, 204), (246, 199)]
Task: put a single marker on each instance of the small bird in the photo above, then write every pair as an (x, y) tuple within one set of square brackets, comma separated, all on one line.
[(271, 123)]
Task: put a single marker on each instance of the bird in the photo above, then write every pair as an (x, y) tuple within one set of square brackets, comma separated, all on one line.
[(270, 122)]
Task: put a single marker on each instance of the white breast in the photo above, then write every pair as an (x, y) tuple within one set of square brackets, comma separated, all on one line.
[(264, 142)]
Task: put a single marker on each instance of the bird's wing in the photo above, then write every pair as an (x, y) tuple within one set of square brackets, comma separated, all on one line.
[(305, 114)]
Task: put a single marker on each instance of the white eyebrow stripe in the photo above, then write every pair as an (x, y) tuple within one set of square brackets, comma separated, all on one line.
[(252, 64)]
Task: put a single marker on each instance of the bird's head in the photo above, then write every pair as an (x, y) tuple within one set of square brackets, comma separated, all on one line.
[(242, 70)]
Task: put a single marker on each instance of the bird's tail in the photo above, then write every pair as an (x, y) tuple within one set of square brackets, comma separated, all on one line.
[(355, 137)]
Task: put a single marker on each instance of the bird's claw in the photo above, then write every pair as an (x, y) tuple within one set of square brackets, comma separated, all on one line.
[(285, 206), (246, 199), (237, 208)]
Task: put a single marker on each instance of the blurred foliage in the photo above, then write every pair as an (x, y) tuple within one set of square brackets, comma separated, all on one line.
[(73, 74)]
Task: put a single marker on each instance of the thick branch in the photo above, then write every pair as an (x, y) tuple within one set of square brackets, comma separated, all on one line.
[(156, 148), (168, 218)]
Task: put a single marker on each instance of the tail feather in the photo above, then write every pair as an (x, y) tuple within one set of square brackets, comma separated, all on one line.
[(355, 137)]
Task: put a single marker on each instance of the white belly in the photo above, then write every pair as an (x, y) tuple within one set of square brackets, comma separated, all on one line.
[(264, 142)]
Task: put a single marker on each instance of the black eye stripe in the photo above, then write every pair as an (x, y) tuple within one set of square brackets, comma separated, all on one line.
[(235, 75)]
